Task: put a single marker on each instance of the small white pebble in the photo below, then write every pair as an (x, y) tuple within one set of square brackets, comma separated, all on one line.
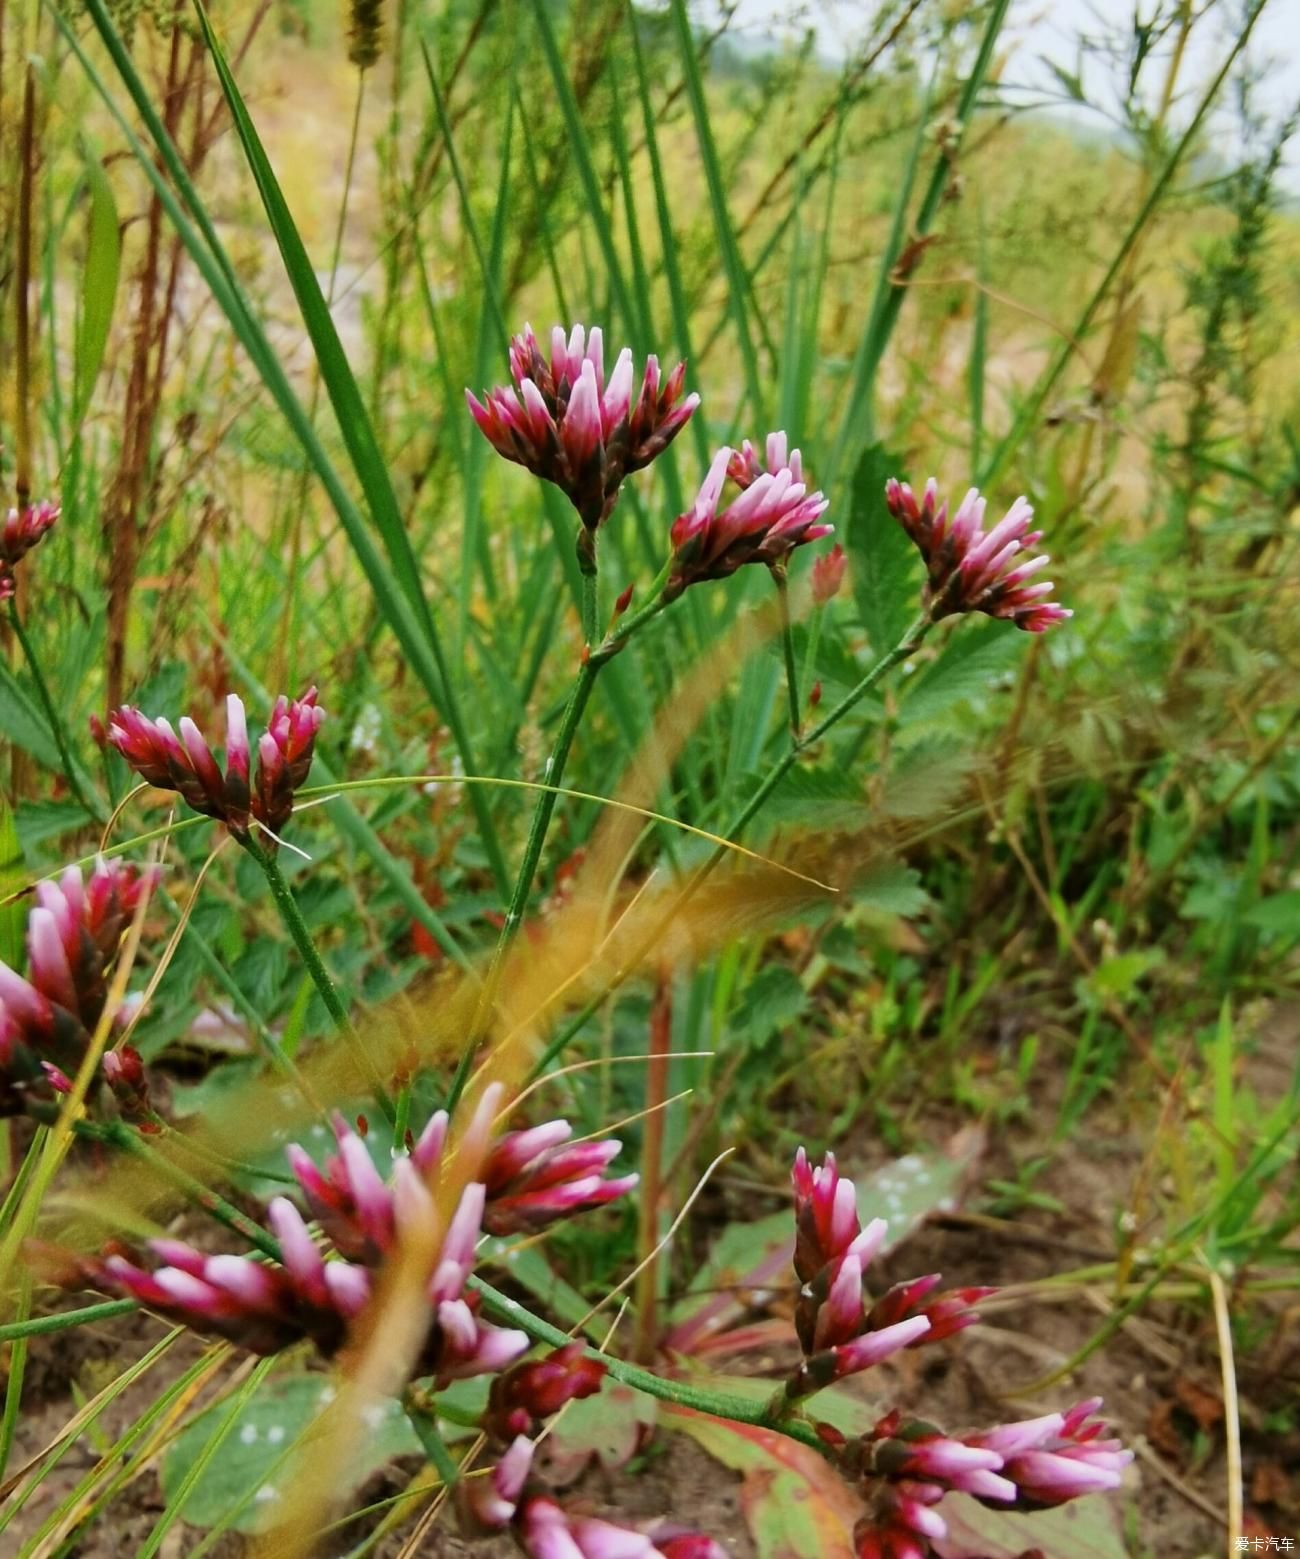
[(373, 1414), (275, 1433), (248, 1434), (267, 1492)]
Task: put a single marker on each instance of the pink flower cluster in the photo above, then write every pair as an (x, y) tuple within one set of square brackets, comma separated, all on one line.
[(839, 1332), (528, 1180), (906, 1467), (47, 1017), (182, 761), (971, 570), (772, 515), (544, 1530), (21, 530), (563, 422), (1032, 1465)]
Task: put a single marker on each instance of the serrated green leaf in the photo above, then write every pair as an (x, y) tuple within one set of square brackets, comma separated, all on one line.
[(39, 821), (884, 566), (1279, 913), (774, 999), (973, 659), (892, 888)]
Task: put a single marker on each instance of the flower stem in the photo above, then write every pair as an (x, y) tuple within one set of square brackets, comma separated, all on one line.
[(682, 1393), (421, 1413), (297, 929), (119, 1135), (553, 775), (93, 809), (787, 647), (906, 646), (652, 1148), (65, 1320)]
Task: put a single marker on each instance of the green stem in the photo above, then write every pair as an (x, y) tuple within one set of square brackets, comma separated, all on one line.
[(56, 724), (590, 599), (906, 646), (682, 1393), (118, 1134), (297, 929), (17, 1369), (542, 812), (787, 647), (11, 1331), (421, 1413)]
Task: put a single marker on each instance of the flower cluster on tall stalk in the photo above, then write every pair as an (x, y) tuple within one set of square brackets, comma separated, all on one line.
[(48, 1017), (564, 422), (22, 530), (969, 569), (181, 760), (904, 1466)]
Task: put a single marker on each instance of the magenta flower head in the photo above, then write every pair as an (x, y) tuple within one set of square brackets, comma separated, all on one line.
[(267, 1307), (971, 570), (773, 514), (532, 1178), (21, 531), (546, 1531), (284, 755), (182, 761), (565, 423), (1058, 1457), (529, 1179), (48, 1017)]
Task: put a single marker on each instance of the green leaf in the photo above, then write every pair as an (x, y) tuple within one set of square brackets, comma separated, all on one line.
[(608, 1428), (253, 1454), (796, 1505), (98, 285), (13, 876), (1083, 1529), (1280, 912), (892, 888), (774, 999), (975, 657), (883, 563), (38, 821)]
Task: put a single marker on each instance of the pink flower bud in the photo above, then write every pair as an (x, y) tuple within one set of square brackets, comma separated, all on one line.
[(828, 575)]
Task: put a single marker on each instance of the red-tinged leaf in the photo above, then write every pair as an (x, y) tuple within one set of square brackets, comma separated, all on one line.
[(796, 1506), (1084, 1529), (609, 1428)]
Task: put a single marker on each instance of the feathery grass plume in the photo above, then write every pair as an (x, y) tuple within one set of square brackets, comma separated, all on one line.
[(365, 32)]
